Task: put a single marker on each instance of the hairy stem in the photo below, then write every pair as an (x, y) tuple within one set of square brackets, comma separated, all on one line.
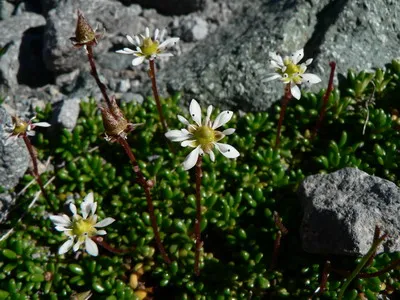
[(328, 92), (146, 186), (89, 51), (285, 101), (35, 169), (197, 223), (100, 241), (152, 75)]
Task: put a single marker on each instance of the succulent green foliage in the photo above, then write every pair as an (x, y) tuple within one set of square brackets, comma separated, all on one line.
[(238, 201)]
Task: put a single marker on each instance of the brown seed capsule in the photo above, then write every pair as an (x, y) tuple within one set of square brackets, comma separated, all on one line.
[(84, 33)]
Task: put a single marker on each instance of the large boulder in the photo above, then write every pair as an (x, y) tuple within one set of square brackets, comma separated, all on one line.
[(228, 67), (18, 34), (112, 17), (341, 211), (171, 7)]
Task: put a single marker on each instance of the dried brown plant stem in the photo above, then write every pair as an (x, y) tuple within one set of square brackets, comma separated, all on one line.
[(197, 224), (328, 92), (146, 186), (277, 243), (285, 101), (35, 169), (152, 75), (100, 241), (89, 52)]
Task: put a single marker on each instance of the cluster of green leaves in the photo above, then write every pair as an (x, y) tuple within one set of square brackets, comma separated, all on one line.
[(238, 201)]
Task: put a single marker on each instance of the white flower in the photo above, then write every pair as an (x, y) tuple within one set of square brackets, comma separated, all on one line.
[(80, 229), (203, 137), (148, 48), (288, 70), (20, 128)]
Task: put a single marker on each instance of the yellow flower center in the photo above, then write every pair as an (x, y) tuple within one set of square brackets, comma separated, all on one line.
[(292, 72), (83, 226), (205, 136), (20, 126), (149, 47)]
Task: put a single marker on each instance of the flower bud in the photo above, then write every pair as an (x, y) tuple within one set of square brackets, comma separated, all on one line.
[(84, 33)]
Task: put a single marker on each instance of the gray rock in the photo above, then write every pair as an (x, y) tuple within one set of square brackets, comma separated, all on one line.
[(341, 211), (67, 112), (227, 68), (194, 29), (112, 17), (132, 97), (14, 157), (6, 9), (171, 7), (6, 201), (16, 33), (123, 85)]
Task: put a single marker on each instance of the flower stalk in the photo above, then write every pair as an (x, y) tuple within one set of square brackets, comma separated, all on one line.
[(146, 186), (285, 101), (197, 224), (152, 75), (327, 94)]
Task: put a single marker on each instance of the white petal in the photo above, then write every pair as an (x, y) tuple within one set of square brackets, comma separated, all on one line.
[(164, 54), (310, 78), (295, 91), (277, 58), (125, 51), (147, 34), (156, 32), (62, 228), (190, 143), (62, 220), (228, 131), (87, 205), (212, 155), (72, 208), (137, 39), (65, 247), (130, 39), (227, 150), (41, 124), (93, 209), (191, 160), (10, 139), (272, 77), (77, 245), (31, 133), (308, 61), (101, 232), (168, 42), (222, 119), (195, 111), (177, 135), (91, 247), (209, 111), (183, 120), (163, 32), (297, 56), (105, 222), (138, 60)]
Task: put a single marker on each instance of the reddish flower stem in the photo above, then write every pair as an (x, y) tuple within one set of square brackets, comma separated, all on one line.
[(89, 51), (152, 75), (285, 101), (146, 186), (197, 227), (328, 92), (35, 169), (277, 243), (324, 278)]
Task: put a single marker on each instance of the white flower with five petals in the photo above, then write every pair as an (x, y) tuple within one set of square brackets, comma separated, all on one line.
[(289, 71), (147, 47), (20, 128), (80, 229), (203, 137)]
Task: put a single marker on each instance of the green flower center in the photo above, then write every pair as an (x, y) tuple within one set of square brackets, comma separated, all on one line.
[(204, 135), (149, 47), (20, 127), (83, 226)]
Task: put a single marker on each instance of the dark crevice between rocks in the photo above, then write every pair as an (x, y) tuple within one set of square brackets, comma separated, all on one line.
[(32, 70), (325, 19)]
